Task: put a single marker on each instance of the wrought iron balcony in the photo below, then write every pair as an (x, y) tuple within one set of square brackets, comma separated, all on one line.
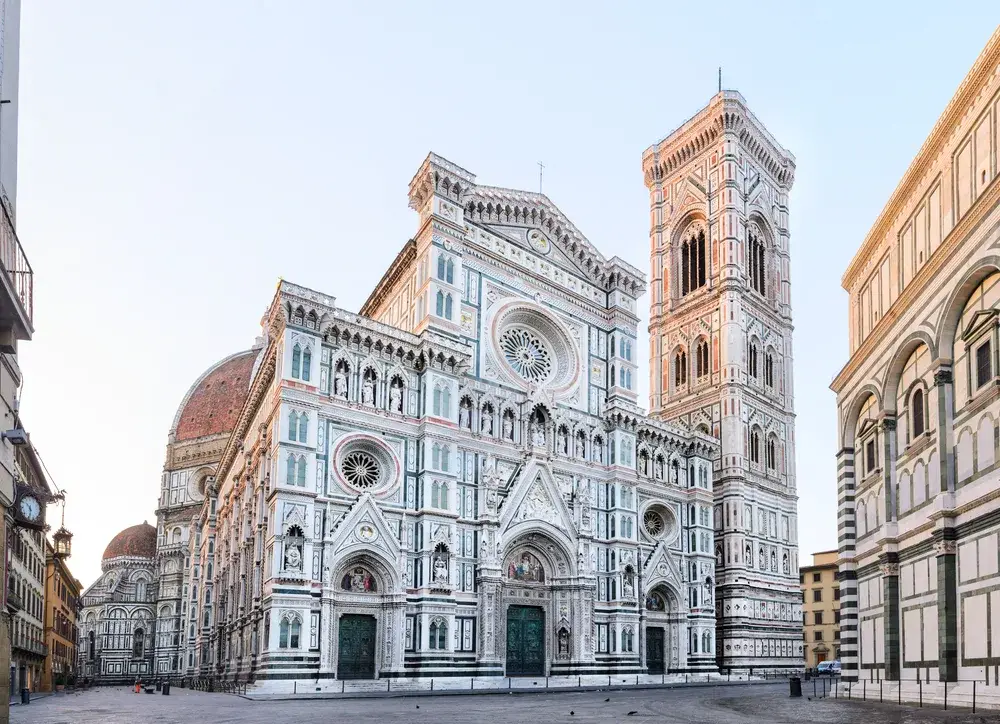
[(17, 282)]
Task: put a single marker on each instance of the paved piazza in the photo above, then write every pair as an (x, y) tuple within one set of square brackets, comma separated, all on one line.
[(725, 704)]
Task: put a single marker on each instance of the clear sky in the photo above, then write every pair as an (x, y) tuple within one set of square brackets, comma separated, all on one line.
[(177, 158)]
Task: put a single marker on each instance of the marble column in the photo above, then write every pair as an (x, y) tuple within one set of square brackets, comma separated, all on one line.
[(946, 549), (847, 573), (889, 567)]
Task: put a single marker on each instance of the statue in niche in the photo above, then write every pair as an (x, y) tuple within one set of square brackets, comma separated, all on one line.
[(563, 642), (659, 468), (628, 586), (440, 570), (784, 563), (749, 555), (599, 450), (396, 397), (564, 442), (293, 558), (537, 435), (486, 423), (774, 561), (465, 415), (709, 591), (762, 559), (368, 391), (340, 382), (508, 426), (675, 474), (580, 446), (718, 555)]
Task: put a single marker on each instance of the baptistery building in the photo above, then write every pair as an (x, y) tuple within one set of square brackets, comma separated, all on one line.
[(919, 409), (454, 479)]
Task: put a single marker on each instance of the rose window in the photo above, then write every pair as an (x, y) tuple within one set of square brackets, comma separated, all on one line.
[(526, 353), (653, 522), (360, 469)]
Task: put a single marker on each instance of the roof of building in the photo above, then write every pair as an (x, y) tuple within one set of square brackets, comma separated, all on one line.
[(213, 403), (139, 541)]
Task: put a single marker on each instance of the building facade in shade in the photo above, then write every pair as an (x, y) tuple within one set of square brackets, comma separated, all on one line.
[(919, 406), (62, 599), (457, 479), (820, 609), (721, 358), (117, 620), (186, 511)]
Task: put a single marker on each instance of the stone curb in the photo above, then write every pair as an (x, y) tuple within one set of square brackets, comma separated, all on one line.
[(495, 692)]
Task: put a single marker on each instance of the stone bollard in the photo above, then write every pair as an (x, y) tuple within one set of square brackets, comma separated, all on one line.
[(795, 687)]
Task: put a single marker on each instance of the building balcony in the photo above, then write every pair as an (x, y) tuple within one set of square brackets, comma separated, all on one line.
[(30, 645), (16, 287)]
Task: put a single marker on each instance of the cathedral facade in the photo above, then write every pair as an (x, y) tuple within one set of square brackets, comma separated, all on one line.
[(721, 358), (457, 479)]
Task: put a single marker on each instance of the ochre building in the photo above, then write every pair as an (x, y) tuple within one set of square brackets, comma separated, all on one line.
[(820, 609)]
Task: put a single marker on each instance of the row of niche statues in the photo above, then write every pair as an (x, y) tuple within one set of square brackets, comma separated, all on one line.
[(341, 387), (486, 420)]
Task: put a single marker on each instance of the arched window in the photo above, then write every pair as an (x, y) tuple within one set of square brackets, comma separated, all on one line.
[(450, 276), (445, 402), (917, 412), (91, 646), (680, 368), (439, 305), (293, 426), (701, 359), (754, 446), (296, 361), (441, 267), (752, 360), (443, 500), (140, 590), (306, 364), (447, 307), (771, 454), (300, 473), (769, 370), (435, 494), (437, 401), (692, 268), (138, 644), (755, 261), (436, 456), (290, 471), (303, 427), (288, 633), (438, 638)]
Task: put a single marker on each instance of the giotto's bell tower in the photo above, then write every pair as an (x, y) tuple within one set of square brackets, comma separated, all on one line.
[(721, 358)]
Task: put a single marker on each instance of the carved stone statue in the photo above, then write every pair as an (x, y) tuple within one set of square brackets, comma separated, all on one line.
[(293, 558), (368, 391), (440, 570), (628, 587), (579, 446), (537, 435), (508, 427), (563, 643), (340, 383), (709, 592), (395, 398), (464, 417), (486, 423)]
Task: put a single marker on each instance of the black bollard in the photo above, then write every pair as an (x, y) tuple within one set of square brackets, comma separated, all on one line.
[(795, 687)]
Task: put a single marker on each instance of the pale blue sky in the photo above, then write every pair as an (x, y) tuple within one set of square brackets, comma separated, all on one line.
[(177, 158)]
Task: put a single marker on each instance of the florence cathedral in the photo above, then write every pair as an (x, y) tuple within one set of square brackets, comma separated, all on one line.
[(457, 479)]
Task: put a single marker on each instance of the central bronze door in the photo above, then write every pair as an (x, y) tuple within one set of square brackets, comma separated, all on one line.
[(525, 641), (356, 649), (654, 650)]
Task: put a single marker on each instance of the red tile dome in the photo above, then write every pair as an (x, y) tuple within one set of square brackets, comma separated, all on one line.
[(213, 403), (139, 541)]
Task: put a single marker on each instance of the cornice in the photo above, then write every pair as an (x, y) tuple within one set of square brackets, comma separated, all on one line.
[(946, 124), (986, 204), (400, 265)]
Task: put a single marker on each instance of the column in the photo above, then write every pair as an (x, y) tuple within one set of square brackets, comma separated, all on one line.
[(847, 573), (946, 549), (943, 382), (889, 566)]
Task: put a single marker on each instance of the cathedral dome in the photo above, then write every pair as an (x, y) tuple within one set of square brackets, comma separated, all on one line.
[(139, 541), (213, 403)]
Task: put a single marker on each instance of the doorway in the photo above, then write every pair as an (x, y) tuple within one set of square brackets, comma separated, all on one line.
[(654, 650), (525, 641), (356, 647)]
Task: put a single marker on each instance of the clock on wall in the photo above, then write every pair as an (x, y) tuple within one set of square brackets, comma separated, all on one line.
[(29, 508)]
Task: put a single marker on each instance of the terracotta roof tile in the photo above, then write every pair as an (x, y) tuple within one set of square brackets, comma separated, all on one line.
[(215, 404), (137, 541)]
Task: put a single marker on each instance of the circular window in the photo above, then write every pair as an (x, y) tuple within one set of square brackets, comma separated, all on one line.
[(653, 523), (527, 354), (659, 522), (360, 469), (534, 348), (365, 464)]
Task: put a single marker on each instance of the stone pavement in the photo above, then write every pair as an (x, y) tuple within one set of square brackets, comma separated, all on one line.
[(718, 704)]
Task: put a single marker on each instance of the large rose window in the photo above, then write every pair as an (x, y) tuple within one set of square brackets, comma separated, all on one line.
[(534, 347), (365, 464)]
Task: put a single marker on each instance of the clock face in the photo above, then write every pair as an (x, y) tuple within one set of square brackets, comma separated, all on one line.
[(30, 508)]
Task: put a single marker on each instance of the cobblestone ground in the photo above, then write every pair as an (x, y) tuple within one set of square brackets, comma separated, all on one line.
[(723, 704)]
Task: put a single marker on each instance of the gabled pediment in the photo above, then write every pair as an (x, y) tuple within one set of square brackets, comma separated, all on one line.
[(978, 322), (535, 499), (661, 567), (866, 427), (364, 528)]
